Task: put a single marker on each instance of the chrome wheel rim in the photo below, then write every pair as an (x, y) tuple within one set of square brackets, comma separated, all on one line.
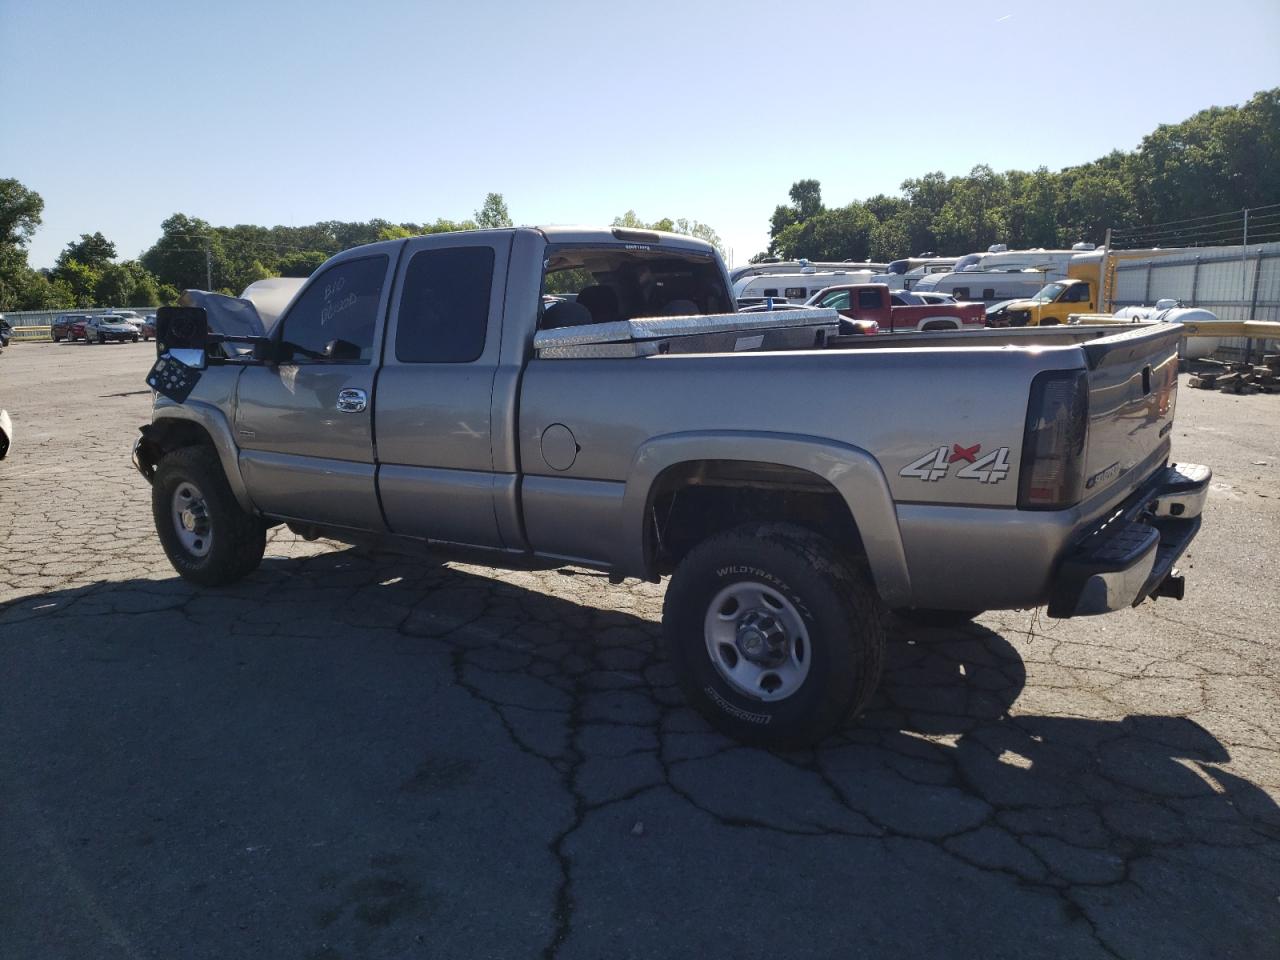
[(757, 641), (191, 519)]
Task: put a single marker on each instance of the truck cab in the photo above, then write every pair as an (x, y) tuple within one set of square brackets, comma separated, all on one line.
[(1053, 304)]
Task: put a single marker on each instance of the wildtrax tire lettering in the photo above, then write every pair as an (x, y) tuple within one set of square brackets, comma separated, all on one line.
[(736, 712)]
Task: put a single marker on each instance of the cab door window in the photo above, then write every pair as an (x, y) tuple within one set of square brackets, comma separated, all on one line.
[(444, 310), (335, 318), (835, 300)]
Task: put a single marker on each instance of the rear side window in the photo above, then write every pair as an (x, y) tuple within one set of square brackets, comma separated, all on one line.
[(869, 299), (444, 310), (335, 317)]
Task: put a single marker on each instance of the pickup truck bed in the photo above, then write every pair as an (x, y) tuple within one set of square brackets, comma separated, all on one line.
[(791, 481)]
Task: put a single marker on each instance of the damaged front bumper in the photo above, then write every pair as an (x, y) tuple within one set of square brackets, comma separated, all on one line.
[(1131, 555)]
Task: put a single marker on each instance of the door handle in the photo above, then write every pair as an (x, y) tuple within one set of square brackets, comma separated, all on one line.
[(352, 400)]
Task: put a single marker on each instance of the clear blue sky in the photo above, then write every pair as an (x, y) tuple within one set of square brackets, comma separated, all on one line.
[(122, 113)]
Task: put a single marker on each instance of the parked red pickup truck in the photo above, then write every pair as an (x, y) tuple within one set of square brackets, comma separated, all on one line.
[(873, 302)]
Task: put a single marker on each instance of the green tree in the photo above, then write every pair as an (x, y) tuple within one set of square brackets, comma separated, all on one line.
[(178, 257), (92, 249), (890, 240), (81, 280), (20, 210), (975, 216), (806, 197), (493, 213), (127, 284), (690, 228), (842, 233)]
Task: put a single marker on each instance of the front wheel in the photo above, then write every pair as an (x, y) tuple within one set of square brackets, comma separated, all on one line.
[(773, 635), (206, 535)]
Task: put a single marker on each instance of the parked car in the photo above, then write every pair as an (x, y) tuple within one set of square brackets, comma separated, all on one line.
[(60, 328), (68, 326), (108, 327), (645, 429), (893, 311), (147, 328), (6, 433), (6, 331)]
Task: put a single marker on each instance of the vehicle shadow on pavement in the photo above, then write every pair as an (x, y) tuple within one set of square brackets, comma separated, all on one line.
[(353, 754)]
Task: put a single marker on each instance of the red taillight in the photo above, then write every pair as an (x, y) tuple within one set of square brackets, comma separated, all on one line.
[(1053, 444)]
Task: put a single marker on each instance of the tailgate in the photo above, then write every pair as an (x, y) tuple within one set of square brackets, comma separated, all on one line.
[(1133, 383)]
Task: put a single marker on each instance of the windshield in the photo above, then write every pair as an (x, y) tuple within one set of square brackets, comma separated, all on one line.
[(1049, 292)]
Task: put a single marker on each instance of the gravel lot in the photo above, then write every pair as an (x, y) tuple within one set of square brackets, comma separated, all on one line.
[(349, 756)]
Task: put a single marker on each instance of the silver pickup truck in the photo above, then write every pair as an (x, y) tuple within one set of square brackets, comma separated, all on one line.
[(564, 395)]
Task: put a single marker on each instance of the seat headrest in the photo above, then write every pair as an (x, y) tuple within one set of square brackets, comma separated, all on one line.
[(680, 308), (602, 301), (565, 313)]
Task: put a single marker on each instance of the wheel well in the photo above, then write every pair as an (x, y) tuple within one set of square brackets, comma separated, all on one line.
[(168, 434), (697, 499), (940, 325)]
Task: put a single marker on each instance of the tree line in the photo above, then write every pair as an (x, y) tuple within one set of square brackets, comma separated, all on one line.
[(1220, 159), (192, 253)]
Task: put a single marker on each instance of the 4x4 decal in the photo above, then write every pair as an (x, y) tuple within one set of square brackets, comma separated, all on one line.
[(934, 465)]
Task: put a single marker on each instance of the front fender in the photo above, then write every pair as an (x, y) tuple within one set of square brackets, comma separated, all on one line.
[(853, 472), (214, 422)]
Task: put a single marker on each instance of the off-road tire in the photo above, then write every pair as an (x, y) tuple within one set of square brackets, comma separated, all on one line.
[(238, 538), (841, 614), (937, 618)]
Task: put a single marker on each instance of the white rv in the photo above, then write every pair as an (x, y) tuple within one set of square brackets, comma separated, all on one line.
[(776, 265), (905, 274), (793, 287), (1002, 274)]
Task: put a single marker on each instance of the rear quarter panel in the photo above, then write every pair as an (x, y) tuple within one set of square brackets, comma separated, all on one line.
[(898, 404)]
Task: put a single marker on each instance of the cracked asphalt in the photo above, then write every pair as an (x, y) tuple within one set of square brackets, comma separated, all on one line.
[(351, 755)]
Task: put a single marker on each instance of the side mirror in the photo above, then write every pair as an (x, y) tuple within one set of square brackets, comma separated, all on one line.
[(181, 328)]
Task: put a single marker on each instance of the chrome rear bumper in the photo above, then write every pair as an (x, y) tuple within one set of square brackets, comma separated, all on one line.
[(1131, 556)]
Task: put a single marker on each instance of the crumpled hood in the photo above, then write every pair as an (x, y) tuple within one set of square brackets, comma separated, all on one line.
[(229, 316)]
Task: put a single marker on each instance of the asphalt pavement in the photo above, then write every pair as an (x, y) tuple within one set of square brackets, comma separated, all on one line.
[(363, 756)]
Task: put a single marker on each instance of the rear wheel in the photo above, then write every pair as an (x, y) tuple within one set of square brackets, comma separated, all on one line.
[(206, 535), (774, 636)]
